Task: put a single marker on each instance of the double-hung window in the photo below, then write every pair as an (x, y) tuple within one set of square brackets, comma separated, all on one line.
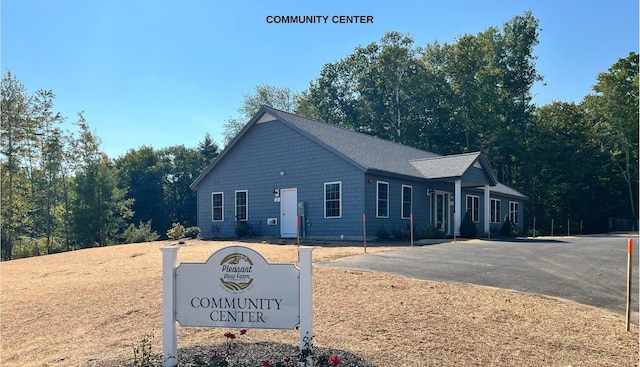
[(382, 210), (472, 206), (514, 207), (217, 207), (333, 199), (495, 211), (407, 201), (242, 204)]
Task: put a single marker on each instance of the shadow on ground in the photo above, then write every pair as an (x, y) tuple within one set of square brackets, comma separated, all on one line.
[(526, 239), (337, 243)]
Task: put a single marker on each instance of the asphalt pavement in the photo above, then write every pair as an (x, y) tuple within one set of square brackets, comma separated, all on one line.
[(587, 269)]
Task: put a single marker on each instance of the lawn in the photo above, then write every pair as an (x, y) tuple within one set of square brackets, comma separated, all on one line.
[(90, 307)]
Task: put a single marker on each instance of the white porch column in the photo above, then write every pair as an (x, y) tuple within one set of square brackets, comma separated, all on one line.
[(487, 209), (457, 208)]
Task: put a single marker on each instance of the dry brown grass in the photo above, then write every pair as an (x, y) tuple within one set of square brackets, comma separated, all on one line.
[(90, 307)]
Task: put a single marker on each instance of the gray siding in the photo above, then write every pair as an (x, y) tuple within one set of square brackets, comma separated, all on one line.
[(476, 175), (255, 164), (504, 209), (395, 220), (292, 152)]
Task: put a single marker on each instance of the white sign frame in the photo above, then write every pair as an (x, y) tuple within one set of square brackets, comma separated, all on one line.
[(236, 288)]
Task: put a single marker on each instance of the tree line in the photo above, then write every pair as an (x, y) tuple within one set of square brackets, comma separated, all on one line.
[(60, 192), (577, 162)]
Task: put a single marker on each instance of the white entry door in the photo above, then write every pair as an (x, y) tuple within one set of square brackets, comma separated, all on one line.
[(288, 212)]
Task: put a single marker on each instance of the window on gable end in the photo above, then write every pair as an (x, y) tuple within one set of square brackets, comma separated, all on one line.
[(242, 205), (217, 207), (333, 199)]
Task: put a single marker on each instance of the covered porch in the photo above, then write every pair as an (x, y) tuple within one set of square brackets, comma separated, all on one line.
[(448, 179)]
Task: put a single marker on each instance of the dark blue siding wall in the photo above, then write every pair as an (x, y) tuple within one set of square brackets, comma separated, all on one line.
[(481, 219), (476, 175), (255, 163), (395, 220), (504, 209)]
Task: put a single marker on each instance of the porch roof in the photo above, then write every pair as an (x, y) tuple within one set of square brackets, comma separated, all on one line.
[(470, 167)]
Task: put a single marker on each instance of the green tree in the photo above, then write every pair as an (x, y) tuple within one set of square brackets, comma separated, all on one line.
[(468, 229), (182, 166), (438, 132), (380, 89), (519, 74), (208, 149), (491, 75), (569, 180), (35, 166), (15, 139), (613, 112), (518, 63), (265, 94), (141, 173), (47, 167), (474, 94), (397, 89), (100, 209)]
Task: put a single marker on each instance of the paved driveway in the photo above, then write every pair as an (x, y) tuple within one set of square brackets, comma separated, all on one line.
[(590, 269)]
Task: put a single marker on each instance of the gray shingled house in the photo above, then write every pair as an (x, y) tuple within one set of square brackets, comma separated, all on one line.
[(286, 175)]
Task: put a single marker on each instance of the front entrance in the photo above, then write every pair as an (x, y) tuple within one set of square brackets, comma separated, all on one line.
[(288, 213), (440, 209)]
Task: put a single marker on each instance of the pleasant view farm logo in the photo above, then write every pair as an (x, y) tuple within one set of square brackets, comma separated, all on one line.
[(236, 272)]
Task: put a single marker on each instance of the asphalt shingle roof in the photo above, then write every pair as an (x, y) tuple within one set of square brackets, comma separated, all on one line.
[(445, 166), (373, 153), (369, 152)]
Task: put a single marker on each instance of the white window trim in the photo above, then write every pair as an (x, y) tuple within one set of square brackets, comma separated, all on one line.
[(473, 210), (402, 202), (235, 201), (514, 218), (222, 201), (498, 208), (378, 199), (324, 209)]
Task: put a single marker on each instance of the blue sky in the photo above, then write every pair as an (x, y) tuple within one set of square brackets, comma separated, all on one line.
[(164, 73)]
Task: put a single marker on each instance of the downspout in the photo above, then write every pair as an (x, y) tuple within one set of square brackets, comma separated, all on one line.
[(487, 208), (457, 214)]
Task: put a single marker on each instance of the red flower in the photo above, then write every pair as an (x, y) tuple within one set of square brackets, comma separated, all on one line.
[(286, 359), (243, 331), (334, 360), (230, 335), (266, 363)]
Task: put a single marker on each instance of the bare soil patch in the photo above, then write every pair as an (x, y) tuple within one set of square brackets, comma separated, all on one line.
[(89, 307)]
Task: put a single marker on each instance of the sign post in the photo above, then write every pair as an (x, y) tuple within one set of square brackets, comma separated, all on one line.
[(236, 288), (306, 295), (169, 327), (364, 231), (629, 276)]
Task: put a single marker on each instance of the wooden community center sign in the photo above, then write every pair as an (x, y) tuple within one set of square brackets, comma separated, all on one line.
[(235, 288)]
